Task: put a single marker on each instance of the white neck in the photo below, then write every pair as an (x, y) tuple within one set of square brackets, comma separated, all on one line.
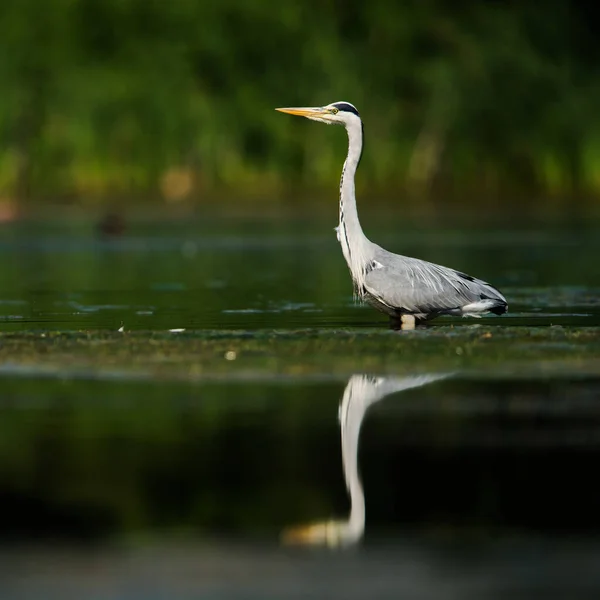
[(356, 520), (355, 245), (350, 430)]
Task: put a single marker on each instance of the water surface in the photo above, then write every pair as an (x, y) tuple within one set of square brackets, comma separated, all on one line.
[(252, 274), (187, 409)]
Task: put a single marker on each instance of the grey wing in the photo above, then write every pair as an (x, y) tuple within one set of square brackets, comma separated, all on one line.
[(417, 286)]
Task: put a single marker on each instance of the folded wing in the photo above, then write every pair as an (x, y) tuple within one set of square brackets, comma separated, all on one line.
[(420, 287)]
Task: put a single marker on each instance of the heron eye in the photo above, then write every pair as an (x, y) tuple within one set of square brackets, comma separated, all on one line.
[(334, 111)]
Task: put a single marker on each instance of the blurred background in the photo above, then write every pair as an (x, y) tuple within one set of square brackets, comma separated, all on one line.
[(489, 105)]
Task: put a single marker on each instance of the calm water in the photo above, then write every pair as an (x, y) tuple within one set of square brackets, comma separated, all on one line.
[(225, 442), (253, 274)]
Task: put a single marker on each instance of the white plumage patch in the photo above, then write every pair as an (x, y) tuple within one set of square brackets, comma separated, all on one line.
[(476, 308)]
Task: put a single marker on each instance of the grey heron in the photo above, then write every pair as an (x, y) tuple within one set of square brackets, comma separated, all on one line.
[(362, 391), (407, 289)]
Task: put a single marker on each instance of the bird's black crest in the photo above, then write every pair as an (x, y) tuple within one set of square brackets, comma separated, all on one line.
[(346, 107)]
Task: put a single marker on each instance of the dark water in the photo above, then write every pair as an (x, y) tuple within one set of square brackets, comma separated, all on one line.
[(216, 462)]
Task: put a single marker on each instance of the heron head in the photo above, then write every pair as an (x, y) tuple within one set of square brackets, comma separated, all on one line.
[(338, 113)]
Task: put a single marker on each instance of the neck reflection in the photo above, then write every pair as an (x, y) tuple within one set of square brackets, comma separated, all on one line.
[(361, 392)]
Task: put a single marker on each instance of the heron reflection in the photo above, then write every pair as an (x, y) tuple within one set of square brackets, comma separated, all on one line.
[(361, 392)]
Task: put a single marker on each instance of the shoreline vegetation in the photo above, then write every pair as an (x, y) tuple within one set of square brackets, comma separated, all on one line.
[(165, 103)]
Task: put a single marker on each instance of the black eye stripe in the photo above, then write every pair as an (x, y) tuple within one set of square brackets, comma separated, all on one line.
[(346, 107)]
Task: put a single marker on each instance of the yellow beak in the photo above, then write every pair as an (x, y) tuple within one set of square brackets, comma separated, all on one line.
[(310, 112)]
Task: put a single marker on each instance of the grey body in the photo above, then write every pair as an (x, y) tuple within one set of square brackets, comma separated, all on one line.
[(399, 285), (394, 284)]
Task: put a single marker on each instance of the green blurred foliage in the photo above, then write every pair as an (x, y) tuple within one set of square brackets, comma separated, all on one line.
[(149, 99)]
